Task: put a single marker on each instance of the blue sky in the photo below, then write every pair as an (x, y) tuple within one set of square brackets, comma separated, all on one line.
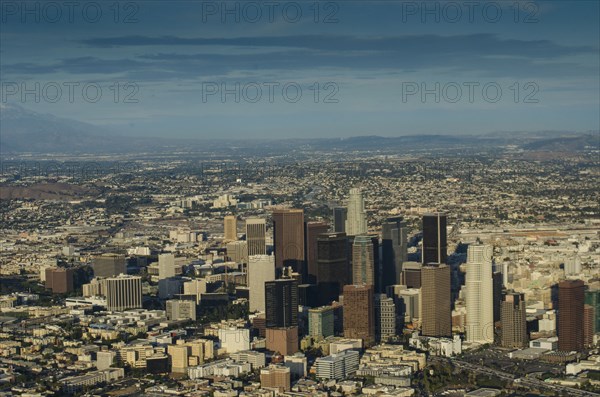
[(352, 68)]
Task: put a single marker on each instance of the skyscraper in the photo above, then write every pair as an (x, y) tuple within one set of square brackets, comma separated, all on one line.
[(288, 238), (230, 228), (480, 294), (363, 261), (59, 280), (497, 281), (436, 312), (237, 251), (261, 268), (356, 222), (385, 317), (166, 266), (592, 298), (359, 313), (256, 230), (333, 266), (514, 320), (312, 230), (588, 326), (435, 245), (123, 292), (320, 321), (340, 214), (393, 252), (411, 274), (281, 301), (109, 265), (570, 315)]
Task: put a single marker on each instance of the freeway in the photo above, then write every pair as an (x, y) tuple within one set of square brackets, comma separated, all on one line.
[(525, 382)]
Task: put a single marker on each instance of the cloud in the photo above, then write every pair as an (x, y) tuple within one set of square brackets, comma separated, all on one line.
[(473, 55), (482, 43)]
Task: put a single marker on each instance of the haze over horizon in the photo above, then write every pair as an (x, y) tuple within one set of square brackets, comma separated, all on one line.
[(361, 67)]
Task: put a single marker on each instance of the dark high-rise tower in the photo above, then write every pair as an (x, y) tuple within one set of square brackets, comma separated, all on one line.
[(333, 266), (281, 302), (497, 295), (436, 311), (514, 321), (393, 251), (570, 315), (312, 230), (435, 245), (363, 261), (340, 214), (411, 274), (288, 239), (109, 265), (592, 298)]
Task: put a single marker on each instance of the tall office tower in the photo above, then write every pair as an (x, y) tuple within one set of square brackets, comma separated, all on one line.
[(435, 245), (282, 340), (592, 298), (436, 312), (333, 266), (256, 230), (59, 280), (570, 315), (480, 294), (311, 233), (261, 268), (230, 228), (411, 274), (385, 317), (356, 222), (514, 321), (340, 214), (572, 266), (237, 251), (320, 321), (123, 292), (276, 377), (281, 301), (363, 265), (393, 251), (166, 266), (497, 281), (359, 313), (109, 265), (588, 326), (408, 305), (288, 238)]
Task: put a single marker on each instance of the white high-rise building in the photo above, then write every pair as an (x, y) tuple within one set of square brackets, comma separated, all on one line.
[(356, 221), (385, 317), (261, 268), (573, 266), (166, 266), (479, 289), (123, 292)]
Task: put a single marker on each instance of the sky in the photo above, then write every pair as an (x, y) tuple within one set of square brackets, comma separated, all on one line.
[(287, 69)]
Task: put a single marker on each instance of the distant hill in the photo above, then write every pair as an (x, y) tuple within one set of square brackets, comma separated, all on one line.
[(26, 131), (565, 144)]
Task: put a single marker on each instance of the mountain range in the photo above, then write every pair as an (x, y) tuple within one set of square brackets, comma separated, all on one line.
[(25, 131)]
